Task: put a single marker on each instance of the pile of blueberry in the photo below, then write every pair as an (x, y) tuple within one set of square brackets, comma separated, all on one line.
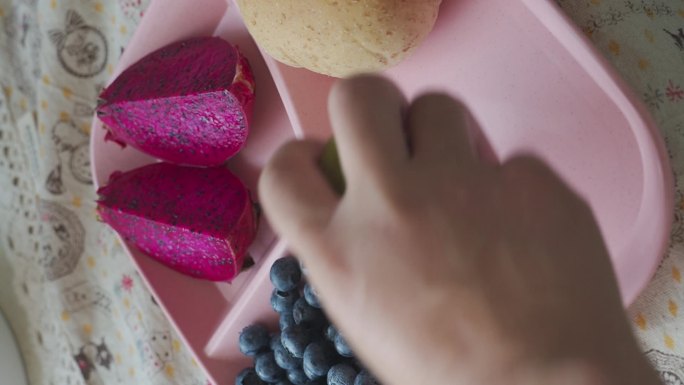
[(308, 350)]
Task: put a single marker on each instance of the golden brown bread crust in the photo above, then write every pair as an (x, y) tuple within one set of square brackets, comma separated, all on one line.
[(339, 37)]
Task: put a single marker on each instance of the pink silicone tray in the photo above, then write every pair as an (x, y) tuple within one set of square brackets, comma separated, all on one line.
[(534, 84)]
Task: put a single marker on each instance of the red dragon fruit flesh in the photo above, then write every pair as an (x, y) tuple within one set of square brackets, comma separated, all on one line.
[(198, 221), (187, 103)]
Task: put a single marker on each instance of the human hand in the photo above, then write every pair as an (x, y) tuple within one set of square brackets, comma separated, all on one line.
[(444, 269)]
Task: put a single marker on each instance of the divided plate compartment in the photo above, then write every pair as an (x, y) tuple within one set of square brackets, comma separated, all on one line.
[(535, 86)]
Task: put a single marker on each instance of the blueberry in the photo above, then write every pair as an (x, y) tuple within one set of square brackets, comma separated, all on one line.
[(331, 333), (284, 358), (267, 369), (284, 382), (297, 376), (286, 274), (311, 296), (286, 319), (254, 339), (248, 377), (319, 357), (295, 339), (342, 347), (341, 374), (304, 313), (365, 378), (283, 301)]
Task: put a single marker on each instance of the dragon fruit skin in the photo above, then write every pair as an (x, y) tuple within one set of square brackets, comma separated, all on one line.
[(198, 221), (188, 103)]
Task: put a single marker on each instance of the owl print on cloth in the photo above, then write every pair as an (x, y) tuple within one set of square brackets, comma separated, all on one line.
[(155, 346), (72, 148), (54, 347), (92, 356), (158, 347), (677, 37), (670, 367), (86, 295), (81, 49), (63, 240)]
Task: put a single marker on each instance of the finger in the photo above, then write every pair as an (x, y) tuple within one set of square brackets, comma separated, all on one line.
[(367, 120), (296, 198), (439, 133)]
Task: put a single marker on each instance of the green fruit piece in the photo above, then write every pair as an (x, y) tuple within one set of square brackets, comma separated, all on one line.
[(330, 164)]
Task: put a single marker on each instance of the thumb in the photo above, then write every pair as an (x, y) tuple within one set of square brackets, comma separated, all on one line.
[(296, 197)]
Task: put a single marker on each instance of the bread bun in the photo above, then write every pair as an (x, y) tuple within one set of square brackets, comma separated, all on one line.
[(339, 37)]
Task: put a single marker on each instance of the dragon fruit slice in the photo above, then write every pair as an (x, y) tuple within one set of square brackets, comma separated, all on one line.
[(187, 103), (198, 221)]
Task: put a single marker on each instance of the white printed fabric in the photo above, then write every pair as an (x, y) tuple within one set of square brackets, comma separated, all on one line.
[(75, 301)]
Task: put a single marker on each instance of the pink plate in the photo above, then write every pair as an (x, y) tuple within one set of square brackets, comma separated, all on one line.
[(535, 85)]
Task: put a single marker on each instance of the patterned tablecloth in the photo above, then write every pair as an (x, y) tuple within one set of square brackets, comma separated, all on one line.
[(80, 311)]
